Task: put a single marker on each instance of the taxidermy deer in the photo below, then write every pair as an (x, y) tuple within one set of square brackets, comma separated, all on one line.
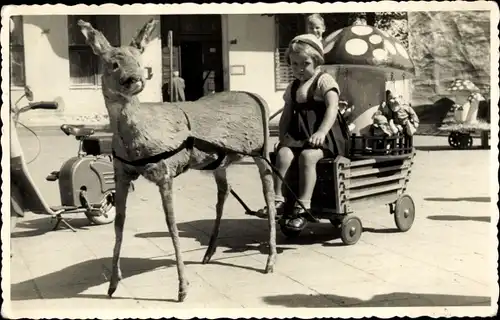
[(160, 141)]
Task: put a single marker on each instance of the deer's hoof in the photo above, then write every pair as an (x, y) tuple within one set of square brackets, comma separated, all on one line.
[(111, 290), (205, 260), (182, 296), (208, 256), (269, 268)]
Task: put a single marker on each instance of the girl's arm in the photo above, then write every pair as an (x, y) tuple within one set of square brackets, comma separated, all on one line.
[(287, 113), (332, 108)]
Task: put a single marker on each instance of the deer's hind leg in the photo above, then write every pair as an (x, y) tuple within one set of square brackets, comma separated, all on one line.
[(266, 176), (123, 181), (223, 190), (166, 192)]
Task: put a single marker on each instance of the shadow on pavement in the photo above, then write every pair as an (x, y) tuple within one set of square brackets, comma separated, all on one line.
[(43, 225), (395, 299), (74, 280), (382, 231), (71, 281), (459, 218), (246, 237), (470, 199)]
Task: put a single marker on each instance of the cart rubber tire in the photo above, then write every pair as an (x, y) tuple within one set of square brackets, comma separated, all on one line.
[(289, 233), (404, 212), (103, 219), (453, 139), (351, 230)]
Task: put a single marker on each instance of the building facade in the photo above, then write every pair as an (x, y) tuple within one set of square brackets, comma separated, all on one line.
[(212, 53)]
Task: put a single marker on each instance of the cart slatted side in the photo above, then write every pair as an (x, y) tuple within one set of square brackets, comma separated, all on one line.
[(372, 181)]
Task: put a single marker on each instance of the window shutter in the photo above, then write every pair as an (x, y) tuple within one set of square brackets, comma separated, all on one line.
[(287, 27), (283, 73)]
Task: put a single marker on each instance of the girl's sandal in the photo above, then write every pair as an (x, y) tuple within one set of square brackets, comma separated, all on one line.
[(280, 205), (297, 221)]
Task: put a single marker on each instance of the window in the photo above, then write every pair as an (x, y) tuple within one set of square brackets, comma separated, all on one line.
[(85, 68), (287, 27), (17, 71)]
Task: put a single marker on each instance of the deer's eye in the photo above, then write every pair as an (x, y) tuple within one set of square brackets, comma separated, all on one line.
[(115, 66)]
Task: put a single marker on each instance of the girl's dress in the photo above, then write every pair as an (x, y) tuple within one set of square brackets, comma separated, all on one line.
[(307, 117)]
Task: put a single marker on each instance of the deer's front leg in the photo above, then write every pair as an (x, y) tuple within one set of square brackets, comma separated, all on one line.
[(166, 191), (123, 181)]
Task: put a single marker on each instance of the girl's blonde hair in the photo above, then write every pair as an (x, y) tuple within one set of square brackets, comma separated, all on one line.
[(297, 47)]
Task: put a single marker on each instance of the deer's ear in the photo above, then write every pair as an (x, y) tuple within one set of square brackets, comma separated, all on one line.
[(95, 39), (143, 36)]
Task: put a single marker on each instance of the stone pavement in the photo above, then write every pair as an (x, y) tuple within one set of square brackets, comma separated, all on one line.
[(445, 260)]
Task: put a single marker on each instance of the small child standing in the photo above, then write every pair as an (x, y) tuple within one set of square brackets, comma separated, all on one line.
[(311, 126), (316, 26)]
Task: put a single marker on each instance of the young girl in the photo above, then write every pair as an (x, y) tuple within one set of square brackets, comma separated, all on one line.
[(311, 126)]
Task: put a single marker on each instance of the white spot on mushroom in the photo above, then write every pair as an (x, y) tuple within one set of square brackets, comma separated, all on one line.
[(356, 47), (402, 50), (375, 39), (390, 47), (361, 30), (380, 54)]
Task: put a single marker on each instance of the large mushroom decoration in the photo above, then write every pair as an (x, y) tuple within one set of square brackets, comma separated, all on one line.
[(366, 61)]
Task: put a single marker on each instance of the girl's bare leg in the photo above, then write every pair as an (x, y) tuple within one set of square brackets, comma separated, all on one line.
[(283, 161), (307, 174)]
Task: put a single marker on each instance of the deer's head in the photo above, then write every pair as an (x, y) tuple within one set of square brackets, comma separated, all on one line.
[(123, 72)]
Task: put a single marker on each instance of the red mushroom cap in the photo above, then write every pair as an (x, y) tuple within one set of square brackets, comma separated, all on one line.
[(368, 47)]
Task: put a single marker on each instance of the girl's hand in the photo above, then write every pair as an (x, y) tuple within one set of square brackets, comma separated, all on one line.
[(317, 139)]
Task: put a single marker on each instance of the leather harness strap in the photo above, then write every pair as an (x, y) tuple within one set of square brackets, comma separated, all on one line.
[(186, 144)]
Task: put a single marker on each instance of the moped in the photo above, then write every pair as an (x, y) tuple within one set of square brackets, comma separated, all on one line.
[(86, 181)]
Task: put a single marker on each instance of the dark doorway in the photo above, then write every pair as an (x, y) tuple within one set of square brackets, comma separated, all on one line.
[(192, 69), (196, 53)]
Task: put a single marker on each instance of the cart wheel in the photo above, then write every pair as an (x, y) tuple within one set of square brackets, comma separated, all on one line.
[(351, 230), (453, 139), (289, 233), (467, 141), (404, 213)]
